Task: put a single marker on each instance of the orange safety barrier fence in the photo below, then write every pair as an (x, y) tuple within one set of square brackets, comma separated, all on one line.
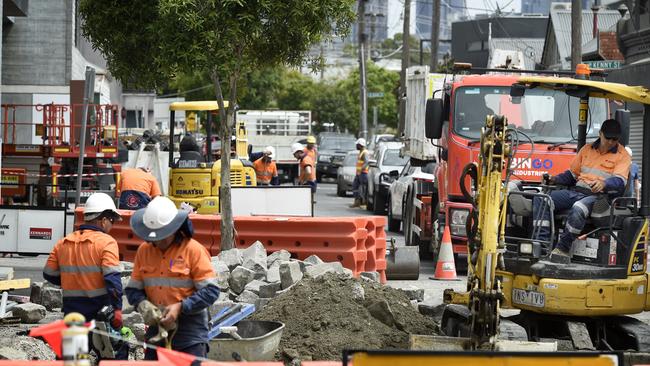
[(358, 243)]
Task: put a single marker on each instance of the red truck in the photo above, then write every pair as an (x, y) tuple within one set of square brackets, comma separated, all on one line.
[(450, 111)]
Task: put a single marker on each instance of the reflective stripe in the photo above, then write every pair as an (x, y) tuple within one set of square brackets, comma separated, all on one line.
[(573, 230), (600, 214), (574, 176), (138, 285), (582, 207), (111, 269), (50, 272), (543, 223), (168, 282), (80, 269), (595, 171), (201, 284), (85, 293)]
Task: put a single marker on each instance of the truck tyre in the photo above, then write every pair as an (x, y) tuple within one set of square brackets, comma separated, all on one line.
[(393, 224), (379, 204)]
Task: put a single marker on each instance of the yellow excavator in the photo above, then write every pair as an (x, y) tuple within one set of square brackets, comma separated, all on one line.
[(194, 178), (582, 304)]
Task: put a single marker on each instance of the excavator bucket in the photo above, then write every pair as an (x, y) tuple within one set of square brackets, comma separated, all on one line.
[(402, 262)]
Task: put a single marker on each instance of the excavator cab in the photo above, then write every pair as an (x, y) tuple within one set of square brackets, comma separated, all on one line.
[(194, 178), (579, 303)]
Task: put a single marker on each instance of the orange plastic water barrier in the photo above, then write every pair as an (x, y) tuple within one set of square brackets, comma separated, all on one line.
[(359, 243)]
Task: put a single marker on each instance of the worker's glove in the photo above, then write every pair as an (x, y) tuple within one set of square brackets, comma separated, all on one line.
[(150, 313), (117, 319)]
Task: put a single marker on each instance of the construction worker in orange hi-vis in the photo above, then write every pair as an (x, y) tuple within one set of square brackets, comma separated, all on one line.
[(310, 149), (138, 187), (173, 282), (86, 265), (307, 175), (266, 171)]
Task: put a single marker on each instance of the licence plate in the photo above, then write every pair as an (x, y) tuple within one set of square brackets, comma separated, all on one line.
[(531, 298)]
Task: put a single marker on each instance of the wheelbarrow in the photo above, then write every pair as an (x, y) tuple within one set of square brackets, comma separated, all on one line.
[(249, 340), (402, 262)]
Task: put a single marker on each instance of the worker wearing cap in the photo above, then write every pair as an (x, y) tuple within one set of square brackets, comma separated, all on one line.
[(86, 265), (310, 149), (173, 282), (600, 167), (361, 178), (307, 175), (265, 169), (137, 186)]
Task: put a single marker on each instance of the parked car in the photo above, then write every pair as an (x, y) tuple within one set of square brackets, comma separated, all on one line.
[(332, 149), (385, 159), (345, 174), (399, 187)]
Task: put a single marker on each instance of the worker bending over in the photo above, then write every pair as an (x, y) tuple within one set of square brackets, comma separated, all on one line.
[(307, 175), (265, 169), (601, 167), (360, 181), (138, 187), (173, 282), (86, 265)]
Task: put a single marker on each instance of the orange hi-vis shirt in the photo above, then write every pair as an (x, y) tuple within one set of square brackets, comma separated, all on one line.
[(313, 154), (304, 177), (139, 180), (265, 171), (590, 165), (171, 276), (83, 260)]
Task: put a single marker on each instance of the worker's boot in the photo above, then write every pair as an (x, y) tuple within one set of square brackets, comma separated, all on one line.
[(356, 203)]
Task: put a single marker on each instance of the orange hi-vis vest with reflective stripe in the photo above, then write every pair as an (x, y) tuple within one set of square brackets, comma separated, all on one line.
[(141, 181), (265, 171), (171, 276), (304, 163), (590, 165), (82, 259), (361, 161)]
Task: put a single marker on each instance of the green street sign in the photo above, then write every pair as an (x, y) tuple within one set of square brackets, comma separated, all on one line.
[(603, 64), (375, 94)]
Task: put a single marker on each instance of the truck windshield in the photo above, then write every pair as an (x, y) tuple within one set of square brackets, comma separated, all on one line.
[(334, 143), (545, 115)]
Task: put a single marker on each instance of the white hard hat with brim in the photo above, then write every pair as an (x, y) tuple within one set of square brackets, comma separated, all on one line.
[(159, 220)]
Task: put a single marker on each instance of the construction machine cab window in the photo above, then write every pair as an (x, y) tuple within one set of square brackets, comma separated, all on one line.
[(544, 115)]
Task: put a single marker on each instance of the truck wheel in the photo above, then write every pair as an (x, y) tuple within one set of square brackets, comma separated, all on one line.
[(393, 224), (378, 204)]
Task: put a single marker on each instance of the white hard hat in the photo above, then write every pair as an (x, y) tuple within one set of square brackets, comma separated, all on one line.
[(97, 203), (361, 141), (296, 146), (270, 151), (629, 150), (158, 220)]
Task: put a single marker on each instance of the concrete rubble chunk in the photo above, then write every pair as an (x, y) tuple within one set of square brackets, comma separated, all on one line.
[(273, 274), (289, 274), (51, 298), (138, 331), (127, 308), (257, 252), (131, 319), (414, 293), (260, 303), (313, 259), (358, 293), (29, 313), (258, 266), (373, 276), (35, 292), (218, 306), (232, 258), (6, 273), (9, 353), (239, 278), (127, 268), (381, 311), (248, 297), (254, 286), (318, 270), (222, 272), (280, 255), (268, 290)]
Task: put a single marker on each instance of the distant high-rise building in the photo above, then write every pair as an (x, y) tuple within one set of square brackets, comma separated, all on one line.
[(543, 6), (450, 11), (376, 22)]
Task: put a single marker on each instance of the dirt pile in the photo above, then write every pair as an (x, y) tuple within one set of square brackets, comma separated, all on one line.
[(325, 315)]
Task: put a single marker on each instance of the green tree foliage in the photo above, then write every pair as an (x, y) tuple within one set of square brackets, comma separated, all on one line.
[(148, 42)]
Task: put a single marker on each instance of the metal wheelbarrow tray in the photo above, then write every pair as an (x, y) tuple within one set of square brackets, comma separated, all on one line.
[(259, 342)]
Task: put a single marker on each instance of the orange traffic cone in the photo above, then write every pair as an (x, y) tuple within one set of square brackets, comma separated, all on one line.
[(445, 268)]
